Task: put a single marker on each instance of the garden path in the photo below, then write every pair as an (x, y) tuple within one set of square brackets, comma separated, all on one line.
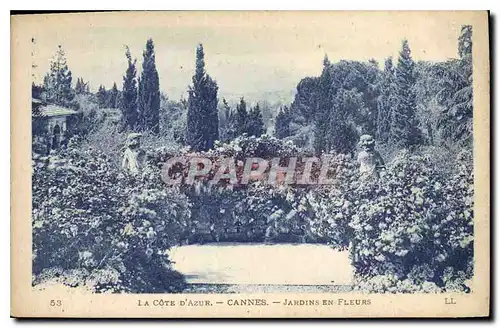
[(255, 267)]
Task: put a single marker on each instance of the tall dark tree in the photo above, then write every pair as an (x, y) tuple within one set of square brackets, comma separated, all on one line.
[(112, 97), (79, 88), (457, 92), (386, 102), (149, 91), (102, 96), (324, 107), (255, 125), (404, 126), (129, 94), (241, 117), (306, 99), (202, 115), (346, 116), (82, 87), (57, 82), (282, 123)]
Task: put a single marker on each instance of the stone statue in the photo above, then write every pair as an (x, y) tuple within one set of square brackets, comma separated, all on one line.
[(369, 159), (133, 156)]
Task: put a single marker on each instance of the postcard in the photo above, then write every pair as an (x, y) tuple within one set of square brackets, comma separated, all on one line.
[(263, 164)]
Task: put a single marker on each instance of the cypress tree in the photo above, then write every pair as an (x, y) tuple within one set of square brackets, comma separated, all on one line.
[(387, 101), (404, 130), (255, 122), (241, 117), (112, 97), (101, 97), (149, 91), (202, 115), (322, 116), (129, 95), (81, 87)]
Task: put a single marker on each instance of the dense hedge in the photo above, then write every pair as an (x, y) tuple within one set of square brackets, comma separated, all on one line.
[(96, 227), (411, 230), (256, 212)]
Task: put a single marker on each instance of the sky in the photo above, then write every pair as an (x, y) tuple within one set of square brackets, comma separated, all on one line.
[(258, 55)]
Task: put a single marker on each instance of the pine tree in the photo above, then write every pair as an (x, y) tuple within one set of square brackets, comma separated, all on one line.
[(255, 122), (112, 97), (57, 82), (404, 129), (129, 94), (102, 96), (149, 91), (202, 116), (241, 117), (387, 101), (282, 124)]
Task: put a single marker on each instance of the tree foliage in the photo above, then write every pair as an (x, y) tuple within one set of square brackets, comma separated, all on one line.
[(255, 125), (82, 87), (57, 83), (404, 126), (386, 102), (129, 97), (149, 92), (227, 122), (456, 93), (241, 117), (202, 115), (346, 105), (112, 97), (282, 124), (102, 96)]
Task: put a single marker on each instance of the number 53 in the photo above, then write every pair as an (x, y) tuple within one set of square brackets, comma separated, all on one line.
[(55, 303)]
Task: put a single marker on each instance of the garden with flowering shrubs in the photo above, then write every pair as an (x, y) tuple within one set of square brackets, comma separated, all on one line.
[(397, 193), (411, 230), (97, 226)]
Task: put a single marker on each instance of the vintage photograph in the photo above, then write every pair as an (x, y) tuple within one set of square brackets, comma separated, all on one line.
[(253, 153)]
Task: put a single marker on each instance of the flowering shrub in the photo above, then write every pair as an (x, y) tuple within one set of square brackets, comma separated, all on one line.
[(333, 205), (252, 212), (416, 225), (409, 231), (96, 227)]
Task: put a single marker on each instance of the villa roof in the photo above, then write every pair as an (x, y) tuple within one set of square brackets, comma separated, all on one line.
[(55, 110), (36, 101)]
